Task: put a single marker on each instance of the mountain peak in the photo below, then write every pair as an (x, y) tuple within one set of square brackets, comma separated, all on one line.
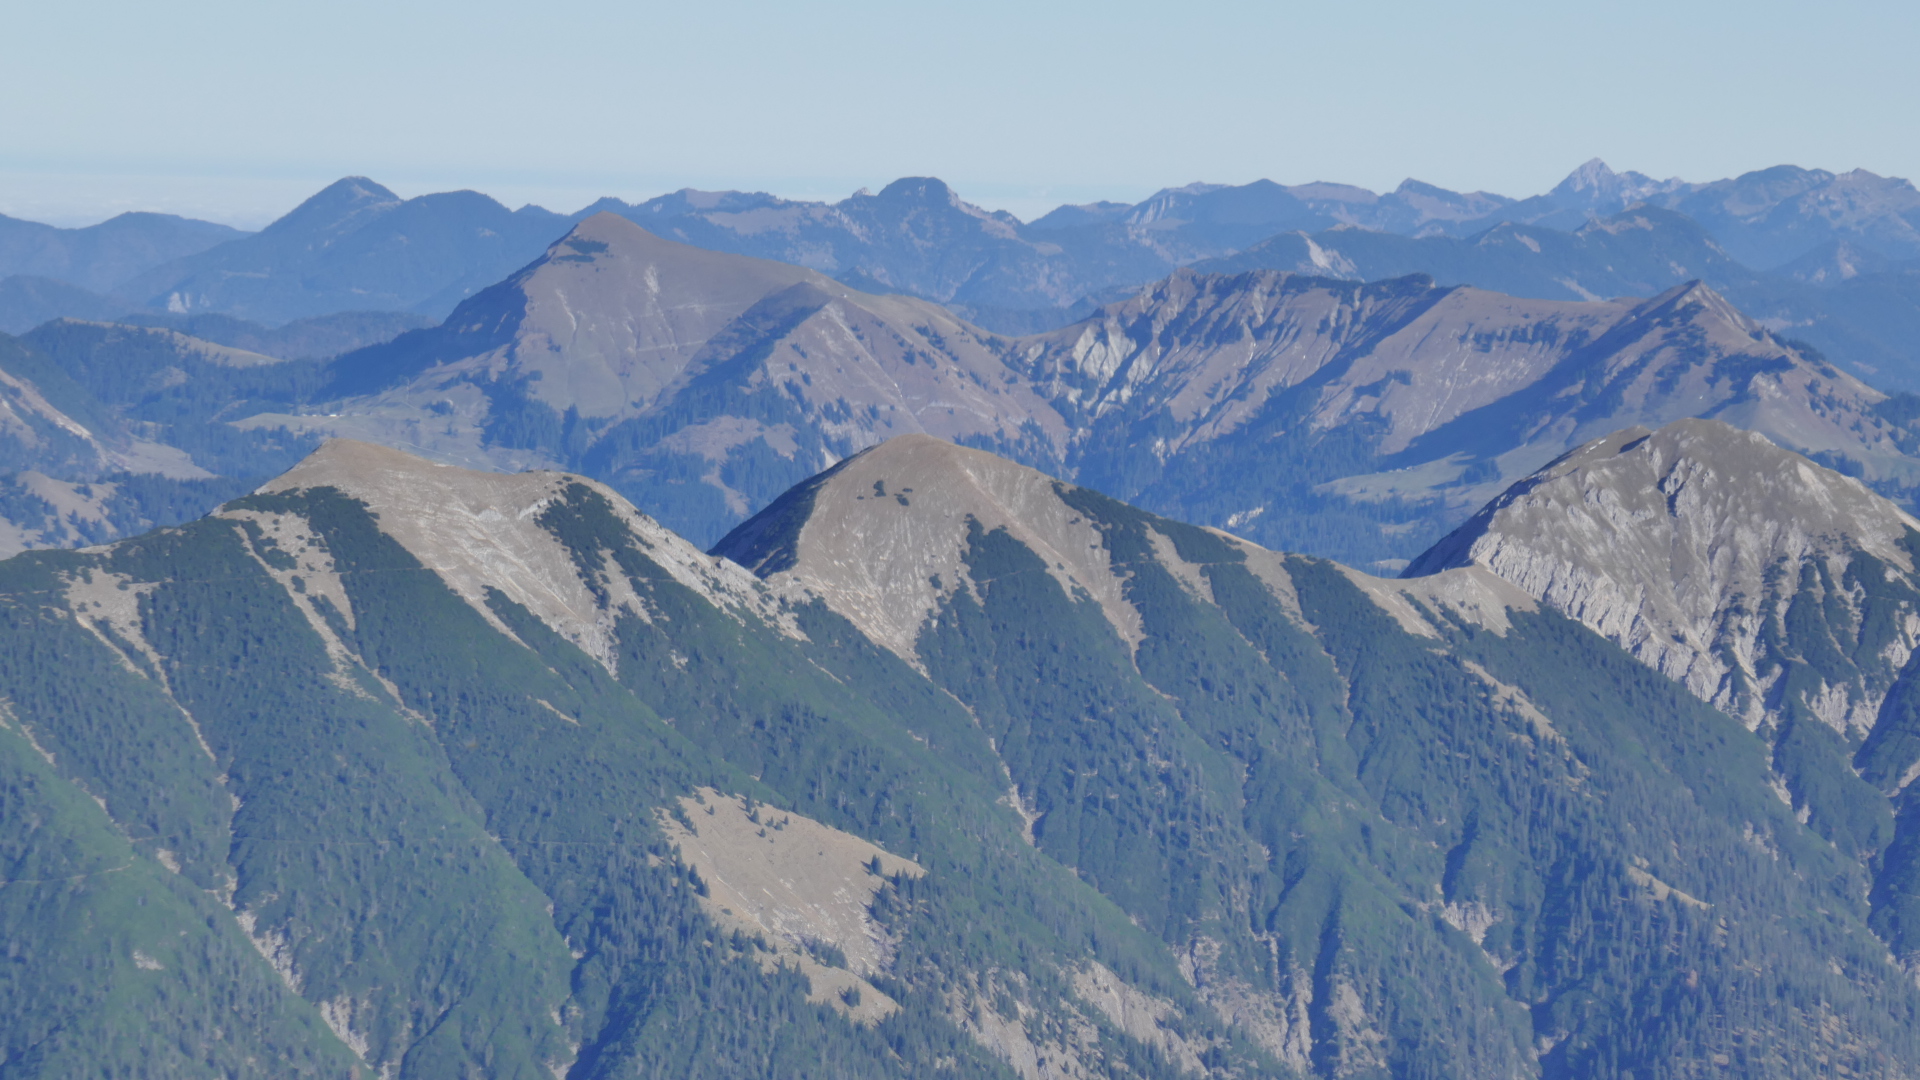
[(350, 465), (1596, 188), (1592, 176), (606, 319), (1697, 294), (883, 535), (607, 227), (888, 537), (333, 208), (1654, 538), (485, 532), (927, 189)]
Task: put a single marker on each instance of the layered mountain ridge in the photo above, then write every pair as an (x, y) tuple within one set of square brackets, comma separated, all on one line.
[(777, 373), (1361, 421), (1132, 798), (946, 761)]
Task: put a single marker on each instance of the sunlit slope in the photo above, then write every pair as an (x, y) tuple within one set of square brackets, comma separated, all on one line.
[(416, 757), (1421, 826)]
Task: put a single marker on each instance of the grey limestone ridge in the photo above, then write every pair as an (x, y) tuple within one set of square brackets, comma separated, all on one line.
[(1691, 546), (1784, 593)]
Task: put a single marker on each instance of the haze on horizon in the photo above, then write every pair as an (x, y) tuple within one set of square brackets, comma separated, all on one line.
[(234, 111)]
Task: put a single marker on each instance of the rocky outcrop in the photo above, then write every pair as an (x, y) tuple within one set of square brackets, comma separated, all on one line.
[(1718, 559)]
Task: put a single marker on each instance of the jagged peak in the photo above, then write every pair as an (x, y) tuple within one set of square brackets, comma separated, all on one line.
[(1589, 176)]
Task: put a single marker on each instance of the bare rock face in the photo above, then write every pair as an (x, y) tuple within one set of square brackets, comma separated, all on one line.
[(1430, 371), (1756, 578)]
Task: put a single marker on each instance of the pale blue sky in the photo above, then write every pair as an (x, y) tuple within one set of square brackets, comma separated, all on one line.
[(235, 109)]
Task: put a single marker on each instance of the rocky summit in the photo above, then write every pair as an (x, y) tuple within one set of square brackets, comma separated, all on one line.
[(1782, 592), (1690, 545)]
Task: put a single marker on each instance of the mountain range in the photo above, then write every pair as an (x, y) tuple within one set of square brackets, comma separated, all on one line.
[(936, 766), (102, 257), (1356, 421), (1257, 632), (1393, 409), (1820, 256)]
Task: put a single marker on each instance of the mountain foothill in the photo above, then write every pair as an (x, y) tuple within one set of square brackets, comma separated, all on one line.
[(1261, 631)]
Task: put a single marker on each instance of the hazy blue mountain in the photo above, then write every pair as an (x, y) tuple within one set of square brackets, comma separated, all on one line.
[(1874, 316), (1591, 191), (101, 258), (1764, 219), (1634, 253), (1638, 252), (1362, 421), (1074, 215), (916, 236), (1833, 263), (318, 338), (403, 769), (26, 302), (1598, 234), (356, 246), (919, 237), (1771, 217)]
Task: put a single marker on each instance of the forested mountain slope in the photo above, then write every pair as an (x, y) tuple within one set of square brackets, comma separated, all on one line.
[(401, 767), (444, 772), (1376, 818), (1780, 591)]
